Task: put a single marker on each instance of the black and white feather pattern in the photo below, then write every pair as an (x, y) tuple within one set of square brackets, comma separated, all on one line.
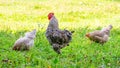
[(56, 37)]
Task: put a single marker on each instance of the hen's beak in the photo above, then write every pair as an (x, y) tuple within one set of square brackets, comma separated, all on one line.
[(87, 35)]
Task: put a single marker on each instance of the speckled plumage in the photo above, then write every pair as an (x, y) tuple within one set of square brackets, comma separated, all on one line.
[(56, 37)]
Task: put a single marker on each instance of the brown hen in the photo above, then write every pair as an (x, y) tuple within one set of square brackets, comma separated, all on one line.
[(100, 36)]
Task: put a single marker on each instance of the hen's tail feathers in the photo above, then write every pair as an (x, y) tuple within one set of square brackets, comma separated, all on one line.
[(110, 26), (34, 31)]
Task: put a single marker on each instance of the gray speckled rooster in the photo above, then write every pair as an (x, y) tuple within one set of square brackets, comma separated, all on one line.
[(56, 37)]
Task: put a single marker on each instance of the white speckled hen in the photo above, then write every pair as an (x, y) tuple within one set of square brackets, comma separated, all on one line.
[(26, 42)]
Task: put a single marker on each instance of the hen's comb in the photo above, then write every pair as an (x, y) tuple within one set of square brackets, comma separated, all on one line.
[(87, 35)]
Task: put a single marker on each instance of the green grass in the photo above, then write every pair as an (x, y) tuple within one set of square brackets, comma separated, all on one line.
[(20, 16)]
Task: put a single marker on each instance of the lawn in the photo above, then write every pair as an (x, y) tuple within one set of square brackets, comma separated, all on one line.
[(82, 16)]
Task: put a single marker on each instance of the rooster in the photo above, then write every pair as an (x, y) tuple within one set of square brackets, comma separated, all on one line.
[(100, 36), (56, 37)]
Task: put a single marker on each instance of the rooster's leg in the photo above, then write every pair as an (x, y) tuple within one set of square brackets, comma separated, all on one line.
[(56, 48)]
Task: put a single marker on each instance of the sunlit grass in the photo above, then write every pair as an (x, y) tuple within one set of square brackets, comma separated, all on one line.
[(82, 16)]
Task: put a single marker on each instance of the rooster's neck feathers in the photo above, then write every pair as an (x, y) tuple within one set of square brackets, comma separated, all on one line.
[(53, 24)]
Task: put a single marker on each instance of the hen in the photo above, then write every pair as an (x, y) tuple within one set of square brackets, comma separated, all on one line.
[(56, 37), (100, 36), (24, 43)]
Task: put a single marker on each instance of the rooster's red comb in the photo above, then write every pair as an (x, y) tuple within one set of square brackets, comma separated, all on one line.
[(50, 15)]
